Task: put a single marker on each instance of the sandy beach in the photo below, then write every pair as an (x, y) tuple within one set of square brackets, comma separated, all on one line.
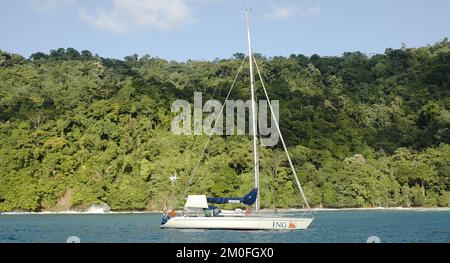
[(425, 209)]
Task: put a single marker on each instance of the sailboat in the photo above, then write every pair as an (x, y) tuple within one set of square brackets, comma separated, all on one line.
[(198, 214)]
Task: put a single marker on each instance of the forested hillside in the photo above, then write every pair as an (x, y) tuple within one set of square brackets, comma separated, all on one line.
[(77, 129)]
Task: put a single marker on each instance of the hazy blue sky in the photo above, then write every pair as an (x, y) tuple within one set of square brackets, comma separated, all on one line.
[(206, 29)]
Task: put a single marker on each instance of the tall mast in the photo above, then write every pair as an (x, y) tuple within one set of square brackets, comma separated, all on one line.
[(254, 120)]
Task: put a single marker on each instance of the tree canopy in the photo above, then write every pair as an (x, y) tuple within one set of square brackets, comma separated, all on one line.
[(363, 131)]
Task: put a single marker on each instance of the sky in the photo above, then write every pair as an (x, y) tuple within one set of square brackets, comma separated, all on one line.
[(208, 29)]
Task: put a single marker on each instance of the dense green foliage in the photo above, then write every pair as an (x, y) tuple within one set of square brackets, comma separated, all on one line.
[(363, 131)]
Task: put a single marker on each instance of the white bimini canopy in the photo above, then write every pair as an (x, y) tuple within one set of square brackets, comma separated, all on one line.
[(196, 201)]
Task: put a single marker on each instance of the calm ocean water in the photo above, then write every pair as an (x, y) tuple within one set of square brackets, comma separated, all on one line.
[(334, 226)]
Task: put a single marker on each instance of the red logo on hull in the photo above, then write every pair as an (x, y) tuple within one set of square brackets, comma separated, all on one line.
[(292, 225)]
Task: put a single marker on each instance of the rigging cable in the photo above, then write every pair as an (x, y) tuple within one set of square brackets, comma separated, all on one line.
[(282, 139), (188, 184)]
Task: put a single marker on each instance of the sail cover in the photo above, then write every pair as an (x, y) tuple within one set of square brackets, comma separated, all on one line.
[(248, 199)]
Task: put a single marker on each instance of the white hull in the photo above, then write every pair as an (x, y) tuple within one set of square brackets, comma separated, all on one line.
[(239, 223)]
